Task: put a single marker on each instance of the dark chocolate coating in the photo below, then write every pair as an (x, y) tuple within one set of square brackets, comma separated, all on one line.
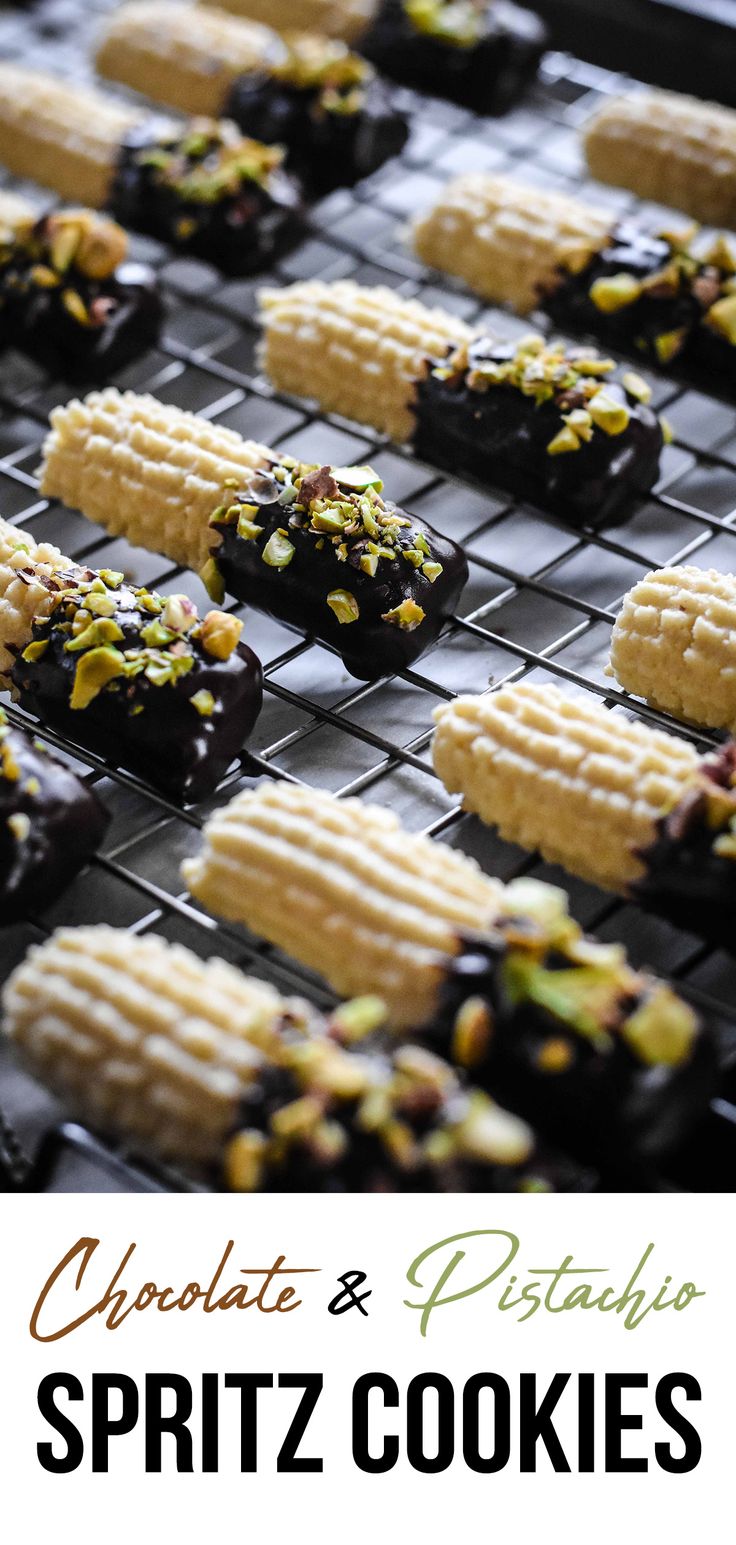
[(606, 1105), (152, 730), (634, 251), (296, 595), (500, 437), (36, 321), (366, 1164), (686, 880), (488, 77), (239, 232), (67, 824), (325, 150)]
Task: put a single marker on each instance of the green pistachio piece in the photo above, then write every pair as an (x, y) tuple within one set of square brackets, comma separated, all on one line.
[(330, 520), (278, 551), (722, 318), (369, 563), (662, 1029), (204, 703), (359, 1016), (213, 581), (615, 292), (668, 345), (249, 530), (36, 650), (565, 440), (358, 478), (100, 604), (344, 605), (636, 386), (431, 571), (610, 414), (156, 636), (407, 616), (102, 631), (95, 669)]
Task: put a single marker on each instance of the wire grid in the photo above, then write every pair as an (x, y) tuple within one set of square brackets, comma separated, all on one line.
[(540, 601)]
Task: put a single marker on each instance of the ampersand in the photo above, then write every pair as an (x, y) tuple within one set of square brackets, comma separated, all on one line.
[(350, 1281)]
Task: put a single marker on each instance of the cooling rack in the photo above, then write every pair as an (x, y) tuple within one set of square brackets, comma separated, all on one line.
[(540, 601)]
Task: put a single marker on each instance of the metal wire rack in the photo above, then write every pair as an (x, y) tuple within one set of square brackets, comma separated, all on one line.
[(539, 603)]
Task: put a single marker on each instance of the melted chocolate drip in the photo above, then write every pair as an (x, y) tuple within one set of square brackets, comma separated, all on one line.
[(501, 436), (489, 76), (155, 731), (325, 150), (297, 594), (604, 1103), (61, 823), (240, 231)]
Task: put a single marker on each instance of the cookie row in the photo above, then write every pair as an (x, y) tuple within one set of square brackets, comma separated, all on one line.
[(201, 185), (482, 55), (307, 93)]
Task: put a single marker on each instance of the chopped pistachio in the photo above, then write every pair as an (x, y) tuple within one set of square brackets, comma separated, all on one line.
[(73, 303), (636, 386), (220, 633), (369, 563), (94, 670), (615, 292), (248, 530), (407, 616), (20, 825), (104, 630), (179, 613), (668, 345), (662, 1029), (472, 1031), (156, 636), (278, 551), (431, 571), (204, 702), (359, 1016), (609, 412), (213, 581), (36, 650), (358, 478), (564, 441), (722, 318), (344, 605)]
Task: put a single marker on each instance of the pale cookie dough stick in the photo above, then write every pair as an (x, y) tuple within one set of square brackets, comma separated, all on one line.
[(345, 19), (507, 241), (66, 137), (619, 803), (339, 886), (356, 351), (673, 149), (674, 643), (582, 786), (145, 470), (500, 979), (185, 57), (200, 1064)]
